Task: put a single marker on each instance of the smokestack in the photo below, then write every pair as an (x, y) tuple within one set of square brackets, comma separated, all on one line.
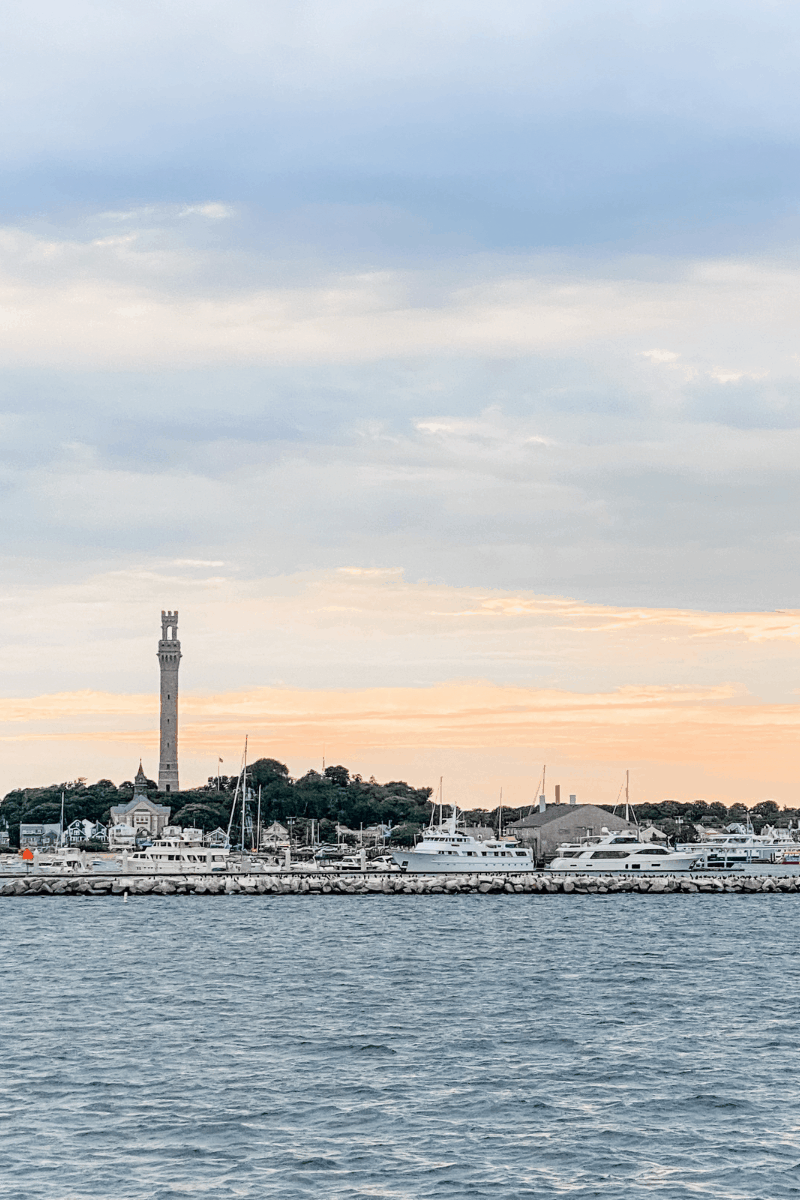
[(572, 799), (542, 804), (557, 793)]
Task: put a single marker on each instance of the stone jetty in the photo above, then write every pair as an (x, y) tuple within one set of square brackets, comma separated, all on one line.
[(388, 884)]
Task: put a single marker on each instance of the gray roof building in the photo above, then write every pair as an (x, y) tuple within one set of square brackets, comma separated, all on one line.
[(563, 823), (141, 814)]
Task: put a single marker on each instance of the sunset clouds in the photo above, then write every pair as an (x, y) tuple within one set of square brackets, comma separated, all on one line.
[(437, 361), (383, 674)]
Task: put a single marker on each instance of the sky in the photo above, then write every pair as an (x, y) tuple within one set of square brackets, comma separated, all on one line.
[(436, 361)]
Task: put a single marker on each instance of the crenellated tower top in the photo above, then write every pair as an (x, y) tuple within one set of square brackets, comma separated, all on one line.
[(169, 630)]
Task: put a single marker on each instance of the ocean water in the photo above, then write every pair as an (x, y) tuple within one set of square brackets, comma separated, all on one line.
[(399, 1047)]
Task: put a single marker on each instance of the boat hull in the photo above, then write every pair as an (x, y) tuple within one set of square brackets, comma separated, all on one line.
[(460, 864), (681, 862)]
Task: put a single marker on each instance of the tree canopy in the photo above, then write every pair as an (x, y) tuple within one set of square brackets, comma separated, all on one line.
[(333, 797)]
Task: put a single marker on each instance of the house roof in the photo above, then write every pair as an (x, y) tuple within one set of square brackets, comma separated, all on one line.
[(138, 802), (558, 812)]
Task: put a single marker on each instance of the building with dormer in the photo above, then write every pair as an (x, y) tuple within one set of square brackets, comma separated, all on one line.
[(141, 816)]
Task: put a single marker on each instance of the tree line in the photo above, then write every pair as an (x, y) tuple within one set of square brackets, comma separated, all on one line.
[(330, 798)]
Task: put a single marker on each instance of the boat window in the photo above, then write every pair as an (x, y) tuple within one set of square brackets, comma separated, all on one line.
[(653, 850), (520, 853), (610, 854)]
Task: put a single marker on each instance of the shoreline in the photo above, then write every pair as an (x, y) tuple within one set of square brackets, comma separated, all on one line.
[(392, 884)]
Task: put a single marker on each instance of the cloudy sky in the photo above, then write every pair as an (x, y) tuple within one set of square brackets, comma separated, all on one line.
[(437, 361)]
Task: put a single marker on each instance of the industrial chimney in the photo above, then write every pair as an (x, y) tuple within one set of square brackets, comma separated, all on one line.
[(572, 799), (557, 793), (542, 804)]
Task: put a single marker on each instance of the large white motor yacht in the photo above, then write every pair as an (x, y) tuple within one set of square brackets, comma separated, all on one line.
[(744, 847), (176, 854), (447, 847), (619, 852)]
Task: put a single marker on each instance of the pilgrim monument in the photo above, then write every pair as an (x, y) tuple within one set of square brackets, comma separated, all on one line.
[(169, 655)]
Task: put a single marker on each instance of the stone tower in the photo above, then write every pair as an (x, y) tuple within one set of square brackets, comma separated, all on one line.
[(169, 661)]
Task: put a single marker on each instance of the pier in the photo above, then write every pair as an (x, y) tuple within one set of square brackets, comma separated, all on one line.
[(388, 884)]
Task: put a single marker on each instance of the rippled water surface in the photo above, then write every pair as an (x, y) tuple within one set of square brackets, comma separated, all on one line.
[(409, 1046)]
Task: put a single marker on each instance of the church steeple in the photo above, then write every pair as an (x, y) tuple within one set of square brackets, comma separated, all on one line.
[(140, 782)]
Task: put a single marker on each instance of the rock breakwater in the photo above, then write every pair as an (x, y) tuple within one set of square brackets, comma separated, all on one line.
[(389, 885)]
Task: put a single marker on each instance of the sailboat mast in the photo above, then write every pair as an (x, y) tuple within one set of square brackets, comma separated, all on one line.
[(244, 790), (500, 811), (627, 795), (257, 833)]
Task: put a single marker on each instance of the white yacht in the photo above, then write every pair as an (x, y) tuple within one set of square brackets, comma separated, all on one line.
[(743, 847), (619, 852), (62, 861), (448, 847), (176, 854)]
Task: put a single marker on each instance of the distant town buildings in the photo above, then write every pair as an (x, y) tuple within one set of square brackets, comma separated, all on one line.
[(273, 835), (82, 830), (546, 829), (39, 837), (141, 816)]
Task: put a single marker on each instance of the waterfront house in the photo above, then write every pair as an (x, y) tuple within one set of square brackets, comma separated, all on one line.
[(75, 833), (217, 837), (84, 830), (97, 832), (121, 836), (546, 828), (39, 837), (275, 835), (651, 834)]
